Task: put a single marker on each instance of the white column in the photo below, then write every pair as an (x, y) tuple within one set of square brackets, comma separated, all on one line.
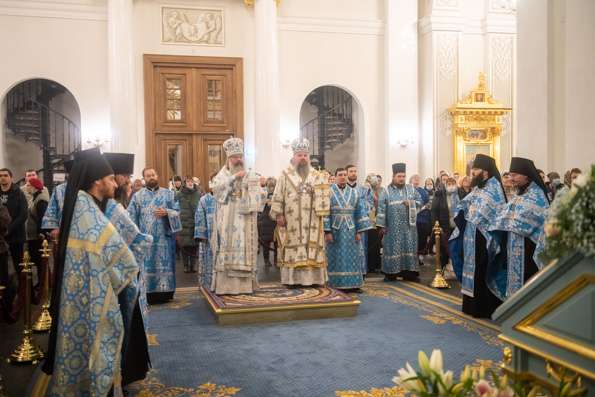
[(532, 82), (401, 95), (267, 141), (124, 134)]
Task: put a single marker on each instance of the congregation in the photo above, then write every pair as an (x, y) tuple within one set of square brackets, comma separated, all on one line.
[(117, 239)]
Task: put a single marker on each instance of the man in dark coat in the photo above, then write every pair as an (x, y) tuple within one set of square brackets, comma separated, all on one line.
[(443, 209), (4, 293), (15, 201), (188, 197), (266, 226)]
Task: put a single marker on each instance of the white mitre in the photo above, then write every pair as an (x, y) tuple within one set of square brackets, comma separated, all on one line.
[(233, 146), (300, 146)]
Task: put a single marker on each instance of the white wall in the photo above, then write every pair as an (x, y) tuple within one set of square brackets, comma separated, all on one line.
[(339, 43), (459, 39), (556, 59), (69, 48)]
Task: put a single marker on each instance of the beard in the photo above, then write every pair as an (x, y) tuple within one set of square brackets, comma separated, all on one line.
[(303, 169), (152, 183), (234, 169), (352, 180), (478, 181)]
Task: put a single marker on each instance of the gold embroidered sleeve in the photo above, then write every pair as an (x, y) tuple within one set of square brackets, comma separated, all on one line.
[(278, 200)]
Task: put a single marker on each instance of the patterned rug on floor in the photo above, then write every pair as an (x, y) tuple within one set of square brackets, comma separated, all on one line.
[(274, 295), (348, 357)]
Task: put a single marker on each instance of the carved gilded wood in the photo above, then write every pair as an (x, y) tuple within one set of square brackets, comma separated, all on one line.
[(477, 126)]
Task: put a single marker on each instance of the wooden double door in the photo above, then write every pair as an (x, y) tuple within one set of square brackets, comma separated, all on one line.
[(192, 105)]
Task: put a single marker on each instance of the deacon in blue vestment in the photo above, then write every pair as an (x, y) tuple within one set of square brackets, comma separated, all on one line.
[(343, 228), (93, 266), (133, 299), (366, 194), (156, 212), (470, 240), (203, 231), (519, 227), (397, 215)]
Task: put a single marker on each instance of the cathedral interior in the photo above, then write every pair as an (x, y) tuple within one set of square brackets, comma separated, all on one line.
[(221, 97)]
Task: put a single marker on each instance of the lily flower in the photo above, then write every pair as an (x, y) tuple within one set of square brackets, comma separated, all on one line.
[(407, 378), (436, 361), (424, 363)]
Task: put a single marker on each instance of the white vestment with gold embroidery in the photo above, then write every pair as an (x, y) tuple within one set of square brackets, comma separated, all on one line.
[(303, 202)]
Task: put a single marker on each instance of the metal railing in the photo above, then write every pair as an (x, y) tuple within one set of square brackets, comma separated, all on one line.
[(57, 135), (330, 128)]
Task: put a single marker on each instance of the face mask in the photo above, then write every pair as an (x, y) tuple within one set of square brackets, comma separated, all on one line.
[(451, 189), (429, 187)]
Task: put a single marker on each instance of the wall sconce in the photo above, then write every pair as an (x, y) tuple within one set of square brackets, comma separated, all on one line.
[(97, 143), (404, 142)]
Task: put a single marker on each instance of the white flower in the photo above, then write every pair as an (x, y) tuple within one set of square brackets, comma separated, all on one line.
[(581, 180), (447, 379), (424, 363), (436, 361), (407, 378)]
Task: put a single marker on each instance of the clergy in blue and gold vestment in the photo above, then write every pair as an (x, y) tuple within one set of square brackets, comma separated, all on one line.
[(343, 228), (469, 242), (365, 192), (157, 213), (397, 219), (239, 198), (203, 232), (133, 299), (519, 226), (93, 265)]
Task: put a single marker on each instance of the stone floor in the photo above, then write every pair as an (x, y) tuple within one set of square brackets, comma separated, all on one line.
[(15, 378)]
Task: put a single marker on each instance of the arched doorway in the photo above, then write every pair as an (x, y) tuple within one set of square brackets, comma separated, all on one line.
[(330, 118), (42, 129)]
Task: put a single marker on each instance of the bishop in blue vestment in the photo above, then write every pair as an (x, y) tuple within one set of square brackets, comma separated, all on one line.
[(343, 228), (397, 217), (156, 212)]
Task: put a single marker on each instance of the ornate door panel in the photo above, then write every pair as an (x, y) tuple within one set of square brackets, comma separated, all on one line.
[(175, 156), (175, 99), (215, 100), (192, 104)]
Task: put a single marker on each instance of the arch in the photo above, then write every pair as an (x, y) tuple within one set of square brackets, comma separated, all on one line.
[(42, 127), (351, 149)]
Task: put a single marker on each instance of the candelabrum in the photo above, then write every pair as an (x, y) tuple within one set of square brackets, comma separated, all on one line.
[(26, 351), (44, 321), (439, 281)]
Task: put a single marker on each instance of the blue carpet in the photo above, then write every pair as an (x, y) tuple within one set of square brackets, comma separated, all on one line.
[(191, 354)]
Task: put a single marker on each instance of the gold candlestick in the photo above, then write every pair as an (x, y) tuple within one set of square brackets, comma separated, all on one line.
[(26, 351), (44, 321), (439, 281)]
